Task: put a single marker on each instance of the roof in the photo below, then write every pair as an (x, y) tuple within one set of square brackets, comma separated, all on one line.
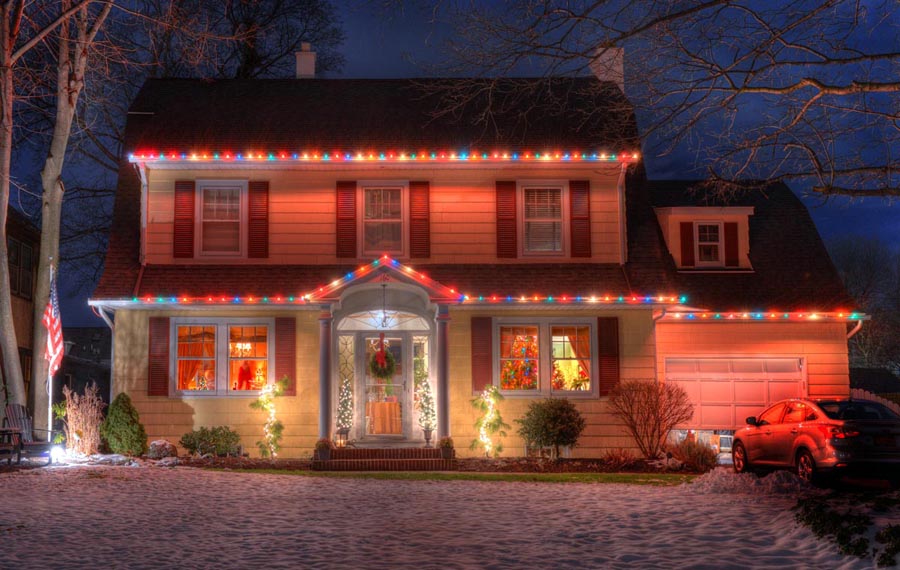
[(188, 115), (19, 226), (791, 267)]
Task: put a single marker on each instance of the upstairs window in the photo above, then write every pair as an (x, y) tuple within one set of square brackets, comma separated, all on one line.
[(21, 268), (384, 215), (222, 217), (708, 243), (543, 220)]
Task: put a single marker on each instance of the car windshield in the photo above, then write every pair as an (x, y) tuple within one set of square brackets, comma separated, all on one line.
[(857, 410)]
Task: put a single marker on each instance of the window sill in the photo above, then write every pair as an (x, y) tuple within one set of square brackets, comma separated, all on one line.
[(522, 394), (725, 270), (199, 395)]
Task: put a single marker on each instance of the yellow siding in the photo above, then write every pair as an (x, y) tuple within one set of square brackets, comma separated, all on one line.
[(463, 210), (823, 346)]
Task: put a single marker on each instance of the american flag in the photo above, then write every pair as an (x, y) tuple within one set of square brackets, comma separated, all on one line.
[(52, 322)]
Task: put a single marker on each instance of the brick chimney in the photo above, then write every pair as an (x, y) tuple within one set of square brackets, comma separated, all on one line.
[(609, 65), (306, 61)]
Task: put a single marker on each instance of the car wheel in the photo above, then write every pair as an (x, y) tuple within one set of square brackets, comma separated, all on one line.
[(739, 458), (806, 466)]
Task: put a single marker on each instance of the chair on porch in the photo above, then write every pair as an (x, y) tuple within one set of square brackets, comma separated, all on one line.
[(17, 418)]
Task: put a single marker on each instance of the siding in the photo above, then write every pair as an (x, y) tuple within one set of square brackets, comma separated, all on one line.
[(302, 211), (822, 345)]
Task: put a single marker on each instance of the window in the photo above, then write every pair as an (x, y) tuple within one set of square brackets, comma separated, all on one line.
[(708, 243), (795, 413), (384, 214), (542, 231), (771, 416), (21, 268), (221, 357), (221, 218), (543, 356)]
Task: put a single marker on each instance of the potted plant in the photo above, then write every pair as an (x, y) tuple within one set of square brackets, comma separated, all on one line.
[(323, 449), (446, 447)]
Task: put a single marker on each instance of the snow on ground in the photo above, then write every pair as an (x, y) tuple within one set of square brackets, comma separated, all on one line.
[(147, 517)]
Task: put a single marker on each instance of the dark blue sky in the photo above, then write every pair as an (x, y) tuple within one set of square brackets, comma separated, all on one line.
[(385, 43)]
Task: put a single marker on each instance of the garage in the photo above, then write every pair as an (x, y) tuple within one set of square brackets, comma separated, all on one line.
[(725, 391)]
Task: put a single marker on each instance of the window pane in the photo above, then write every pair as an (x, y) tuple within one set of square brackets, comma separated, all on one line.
[(196, 349), (543, 203), (543, 219), (383, 203), (519, 358), (571, 364), (221, 237), (708, 233), (247, 374), (221, 204), (708, 252), (221, 220), (543, 236), (247, 352), (383, 236)]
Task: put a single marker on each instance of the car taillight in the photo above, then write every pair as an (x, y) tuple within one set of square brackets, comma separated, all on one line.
[(841, 432)]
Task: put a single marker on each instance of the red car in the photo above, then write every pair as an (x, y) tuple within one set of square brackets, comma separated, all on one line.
[(820, 437)]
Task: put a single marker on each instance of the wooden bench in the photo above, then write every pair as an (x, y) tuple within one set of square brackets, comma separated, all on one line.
[(17, 419)]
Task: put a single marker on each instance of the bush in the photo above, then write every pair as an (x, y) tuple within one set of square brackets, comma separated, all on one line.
[(218, 440), (695, 455), (617, 459), (82, 417), (649, 411), (122, 428), (552, 423)]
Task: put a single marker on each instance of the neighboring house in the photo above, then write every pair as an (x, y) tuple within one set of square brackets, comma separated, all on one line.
[(86, 361), (289, 224), (23, 243), (875, 380)]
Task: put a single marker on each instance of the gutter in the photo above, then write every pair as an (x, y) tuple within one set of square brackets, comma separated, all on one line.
[(623, 230), (855, 329)]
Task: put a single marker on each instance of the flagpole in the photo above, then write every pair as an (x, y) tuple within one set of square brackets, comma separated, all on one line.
[(50, 382)]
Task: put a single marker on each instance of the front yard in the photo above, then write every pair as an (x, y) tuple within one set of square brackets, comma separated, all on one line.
[(152, 517)]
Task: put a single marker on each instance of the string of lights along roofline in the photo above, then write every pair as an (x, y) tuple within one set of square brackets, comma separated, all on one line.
[(338, 156), (452, 294)]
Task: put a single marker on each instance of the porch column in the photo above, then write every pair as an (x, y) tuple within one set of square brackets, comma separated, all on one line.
[(443, 371), (325, 320)]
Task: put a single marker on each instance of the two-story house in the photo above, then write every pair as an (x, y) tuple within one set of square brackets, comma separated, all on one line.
[(23, 241), (269, 229)]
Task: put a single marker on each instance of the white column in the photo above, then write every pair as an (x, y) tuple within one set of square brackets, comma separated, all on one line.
[(443, 371), (325, 320)]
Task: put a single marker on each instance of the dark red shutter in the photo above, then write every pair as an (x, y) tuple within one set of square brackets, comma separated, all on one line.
[(286, 352), (580, 217), (185, 195), (258, 220), (346, 218), (419, 219), (507, 245), (608, 353), (687, 244), (482, 354), (158, 357), (731, 244)]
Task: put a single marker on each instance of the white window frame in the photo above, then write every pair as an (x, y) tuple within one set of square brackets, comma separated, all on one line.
[(721, 244), (361, 187), (545, 355), (243, 186), (223, 388), (521, 187)]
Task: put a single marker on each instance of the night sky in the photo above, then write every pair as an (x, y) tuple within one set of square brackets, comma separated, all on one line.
[(404, 43)]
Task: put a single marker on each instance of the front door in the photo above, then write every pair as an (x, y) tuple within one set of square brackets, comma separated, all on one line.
[(387, 400)]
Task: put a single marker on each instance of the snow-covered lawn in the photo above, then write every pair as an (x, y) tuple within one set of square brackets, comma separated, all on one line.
[(151, 517)]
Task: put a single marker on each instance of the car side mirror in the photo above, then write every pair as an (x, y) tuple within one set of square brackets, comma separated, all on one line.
[(752, 421)]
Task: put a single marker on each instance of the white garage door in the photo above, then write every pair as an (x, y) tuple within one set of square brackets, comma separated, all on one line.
[(727, 390)]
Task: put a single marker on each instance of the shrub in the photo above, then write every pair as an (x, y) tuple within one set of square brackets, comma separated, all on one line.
[(649, 411), (617, 459), (218, 440), (552, 423), (695, 455), (82, 416), (122, 429), (446, 443)]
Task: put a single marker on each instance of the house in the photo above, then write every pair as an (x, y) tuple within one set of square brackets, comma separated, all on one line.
[(23, 241), (364, 233), (86, 361)]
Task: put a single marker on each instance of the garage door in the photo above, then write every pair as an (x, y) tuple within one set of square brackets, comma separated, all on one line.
[(727, 390)]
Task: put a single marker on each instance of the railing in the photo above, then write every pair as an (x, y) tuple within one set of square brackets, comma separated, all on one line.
[(866, 395)]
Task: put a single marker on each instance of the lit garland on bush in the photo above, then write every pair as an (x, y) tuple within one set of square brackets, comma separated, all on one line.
[(427, 415), (490, 423), (345, 405), (273, 428)]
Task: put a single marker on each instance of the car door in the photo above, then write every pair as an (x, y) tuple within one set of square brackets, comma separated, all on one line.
[(759, 438), (784, 433)]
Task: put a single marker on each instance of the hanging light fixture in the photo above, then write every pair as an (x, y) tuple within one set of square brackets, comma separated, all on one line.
[(386, 321)]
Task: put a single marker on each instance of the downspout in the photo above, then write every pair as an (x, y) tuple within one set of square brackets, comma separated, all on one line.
[(145, 199), (855, 329), (655, 343), (112, 347), (623, 231)]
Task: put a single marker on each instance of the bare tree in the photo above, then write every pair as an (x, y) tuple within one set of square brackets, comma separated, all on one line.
[(650, 410), (801, 90)]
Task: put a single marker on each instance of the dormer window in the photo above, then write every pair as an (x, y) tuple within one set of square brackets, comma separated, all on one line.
[(708, 243), (707, 238)]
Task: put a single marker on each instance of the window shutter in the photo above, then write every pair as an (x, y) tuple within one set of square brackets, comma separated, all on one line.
[(346, 218), (731, 245), (482, 354), (183, 241), (580, 217), (286, 352), (608, 353), (687, 244), (158, 357), (419, 219), (507, 245), (258, 219)]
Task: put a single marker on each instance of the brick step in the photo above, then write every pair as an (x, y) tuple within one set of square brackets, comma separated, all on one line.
[(385, 465), (386, 453)]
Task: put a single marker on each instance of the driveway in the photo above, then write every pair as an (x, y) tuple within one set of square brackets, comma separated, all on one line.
[(152, 517)]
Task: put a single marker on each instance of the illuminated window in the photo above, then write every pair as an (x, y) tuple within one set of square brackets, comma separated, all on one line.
[(221, 217), (544, 356), (543, 220), (383, 217), (709, 243), (219, 357)]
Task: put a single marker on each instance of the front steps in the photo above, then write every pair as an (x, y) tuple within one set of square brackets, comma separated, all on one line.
[(385, 459)]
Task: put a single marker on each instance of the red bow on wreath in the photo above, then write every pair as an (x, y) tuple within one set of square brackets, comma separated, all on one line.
[(380, 357)]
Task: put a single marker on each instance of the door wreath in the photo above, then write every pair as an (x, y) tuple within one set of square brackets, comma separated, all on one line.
[(382, 364)]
